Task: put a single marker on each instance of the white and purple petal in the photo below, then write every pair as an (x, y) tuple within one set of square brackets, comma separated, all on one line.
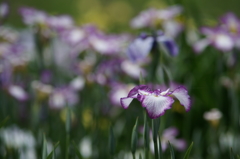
[(125, 102), (156, 105), (181, 94), (223, 42), (168, 44), (140, 48)]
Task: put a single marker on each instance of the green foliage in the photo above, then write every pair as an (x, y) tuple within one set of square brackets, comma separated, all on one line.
[(186, 156)]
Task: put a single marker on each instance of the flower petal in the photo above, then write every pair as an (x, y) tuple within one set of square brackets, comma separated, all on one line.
[(223, 42), (179, 144), (200, 45), (181, 94), (156, 105), (125, 102), (168, 45), (134, 92), (140, 48)]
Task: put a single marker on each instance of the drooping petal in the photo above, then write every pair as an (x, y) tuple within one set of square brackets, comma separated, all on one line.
[(125, 102), (168, 45), (181, 94), (156, 105), (200, 45), (140, 48)]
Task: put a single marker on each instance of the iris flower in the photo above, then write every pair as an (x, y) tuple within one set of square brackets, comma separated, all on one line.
[(157, 102), (141, 47), (170, 135)]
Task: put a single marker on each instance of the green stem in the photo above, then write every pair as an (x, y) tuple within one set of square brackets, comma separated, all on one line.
[(146, 135), (154, 127), (160, 145), (134, 157)]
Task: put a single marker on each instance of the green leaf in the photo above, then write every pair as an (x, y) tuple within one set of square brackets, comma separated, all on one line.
[(146, 132), (160, 145), (186, 156), (111, 143), (166, 76), (156, 125), (141, 79), (44, 150), (68, 120), (52, 155), (238, 156), (171, 150), (134, 138), (4, 121), (77, 151), (231, 154)]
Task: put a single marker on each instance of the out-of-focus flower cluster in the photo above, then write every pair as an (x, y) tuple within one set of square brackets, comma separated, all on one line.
[(224, 37)]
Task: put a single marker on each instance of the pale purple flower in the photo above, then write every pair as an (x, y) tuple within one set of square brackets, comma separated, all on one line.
[(77, 83), (156, 102), (106, 44), (8, 34), (117, 91), (213, 114), (231, 23), (33, 16), (4, 10), (60, 23), (76, 38), (217, 37), (132, 69), (107, 70), (152, 18), (139, 49), (62, 97), (18, 92), (169, 135)]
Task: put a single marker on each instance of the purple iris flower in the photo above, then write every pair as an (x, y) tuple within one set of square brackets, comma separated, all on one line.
[(164, 18), (60, 23), (17, 92), (218, 37), (231, 23), (63, 96), (106, 44), (156, 102), (141, 47), (33, 16), (170, 135)]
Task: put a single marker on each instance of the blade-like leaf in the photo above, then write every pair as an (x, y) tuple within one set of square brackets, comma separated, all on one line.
[(111, 141), (231, 154), (51, 155), (186, 156), (44, 150), (134, 137), (160, 145), (77, 151), (171, 150), (68, 120)]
